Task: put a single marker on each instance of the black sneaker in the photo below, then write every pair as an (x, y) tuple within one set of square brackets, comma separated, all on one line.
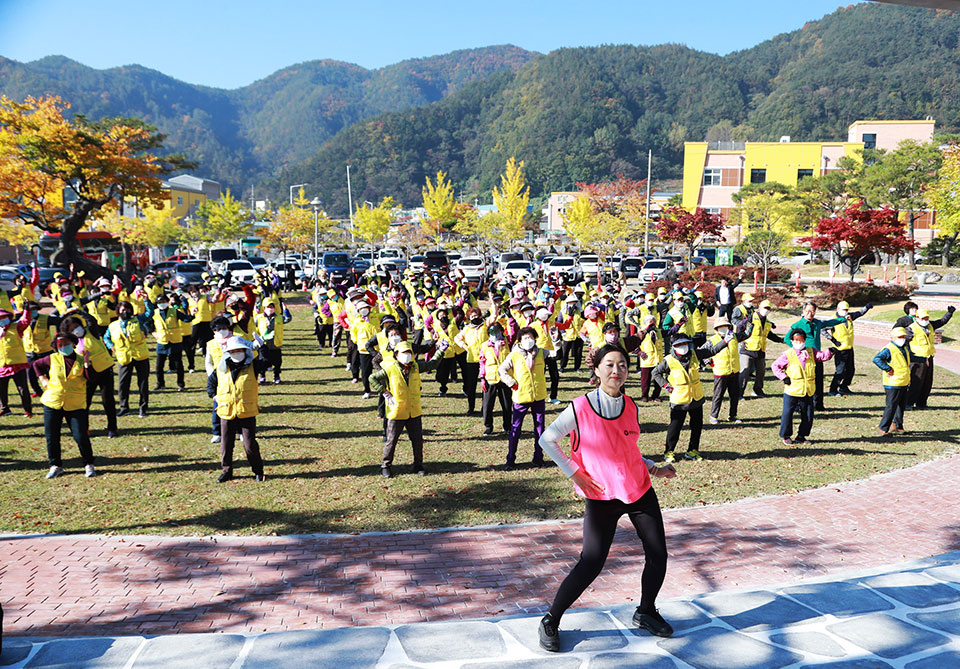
[(123, 412), (386, 473), (6, 412), (419, 471), (224, 477), (488, 433), (113, 434), (549, 634), (260, 478), (508, 467), (653, 622)]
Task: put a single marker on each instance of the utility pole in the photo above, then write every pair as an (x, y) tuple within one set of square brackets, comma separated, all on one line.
[(646, 218), (350, 204)]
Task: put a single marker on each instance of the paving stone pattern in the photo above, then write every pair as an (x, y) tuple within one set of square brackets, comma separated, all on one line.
[(756, 629)]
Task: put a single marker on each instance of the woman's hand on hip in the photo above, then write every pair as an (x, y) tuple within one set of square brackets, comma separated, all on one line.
[(665, 472), (586, 483)]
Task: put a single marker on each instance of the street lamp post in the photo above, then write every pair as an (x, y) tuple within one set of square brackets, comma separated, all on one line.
[(316, 203), (291, 191)]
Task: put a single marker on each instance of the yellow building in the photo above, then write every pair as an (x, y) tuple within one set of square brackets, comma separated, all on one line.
[(714, 171)]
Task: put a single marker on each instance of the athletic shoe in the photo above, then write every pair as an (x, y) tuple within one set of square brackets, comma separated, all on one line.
[(737, 421), (113, 434), (181, 389), (355, 381), (261, 379), (653, 622), (386, 473), (224, 477), (6, 412), (159, 388), (759, 395), (122, 413), (347, 366), (366, 396), (34, 395), (54, 472), (788, 442), (554, 401), (669, 456), (488, 433), (191, 370), (259, 478), (508, 467), (276, 382), (89, 471), (215, 439), (549, 634), (442, 393), (713, 421), (419, 471), (143, 414), (28, 414), (806, 442), (693, 455)]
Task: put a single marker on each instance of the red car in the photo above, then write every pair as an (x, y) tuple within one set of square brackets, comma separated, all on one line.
[(182, 257)]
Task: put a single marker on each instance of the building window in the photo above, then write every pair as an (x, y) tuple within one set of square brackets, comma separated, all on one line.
[(758, 176), (803, 174), (869, 140), (711, 176), (179, 200), (713, 211)]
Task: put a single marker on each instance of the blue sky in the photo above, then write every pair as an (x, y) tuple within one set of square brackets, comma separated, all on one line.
[(231, 44)]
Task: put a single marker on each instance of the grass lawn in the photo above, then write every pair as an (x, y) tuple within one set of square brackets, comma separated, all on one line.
[(321, 444), (951, 331)]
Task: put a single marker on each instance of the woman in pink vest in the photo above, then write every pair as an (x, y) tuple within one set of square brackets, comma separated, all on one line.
[(609, 471)]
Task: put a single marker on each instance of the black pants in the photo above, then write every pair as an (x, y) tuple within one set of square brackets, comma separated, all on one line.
[(729, 384), (31, 375), (804, 405), (758, 367), (699, 340), (845, 369), (818, 394), (188, 347), (23, 389), (550, 363), (445, 372), (646, 376), (493, 393), (274, 359), (921, 381), (414, 428), (324, 333), (896, 403), (52, 426), (677, 415), (365, 365), (104, 381), (725, 310), (202, 333), (247, 428), (599, 527), (353, 358), (176, 363), (125, 373), (471, 372), (574, 346), (459, 360)]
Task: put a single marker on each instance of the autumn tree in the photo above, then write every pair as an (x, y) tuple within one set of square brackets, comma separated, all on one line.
[(944, 197), (42, 153), (373, 223), (223, 221), (289, 229), (860, 232), (18, 235), (512, 199), (579, 222), (679, 226), (769, 215), (440, 205)]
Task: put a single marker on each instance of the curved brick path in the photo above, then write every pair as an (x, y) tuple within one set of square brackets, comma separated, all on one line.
[(97, 585)]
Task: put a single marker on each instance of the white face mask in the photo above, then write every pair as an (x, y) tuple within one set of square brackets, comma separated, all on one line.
[(543, 314), (238, 356), (723, 333), (681, 350), (162, 305), (842, 313), (900, 342), (798, 345), (764, 312), (78, 332), (393, 340), (527, 344), (924, 323), (364, 312), (611, 338), (222, 334), (405, 358), (649, 304)]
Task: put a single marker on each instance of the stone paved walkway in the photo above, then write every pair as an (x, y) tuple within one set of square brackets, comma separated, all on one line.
[(904, 616)]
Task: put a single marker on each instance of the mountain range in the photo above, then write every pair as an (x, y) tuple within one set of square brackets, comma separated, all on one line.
[(577, 114)]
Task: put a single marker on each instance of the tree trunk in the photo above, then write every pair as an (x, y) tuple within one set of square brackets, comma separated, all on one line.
[(911, 257), (766, 265), (947, 247), (68, 253)]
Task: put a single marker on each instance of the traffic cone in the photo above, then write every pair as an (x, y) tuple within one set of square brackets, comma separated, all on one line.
[(869, 278), (756, 281), (885, 279), (797, 282)]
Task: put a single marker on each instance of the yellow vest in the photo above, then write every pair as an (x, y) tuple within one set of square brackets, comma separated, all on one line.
[(727, 361), (167, 331), (594, 331), (65, 391), (131, 346), (446, 335), (103, 313), (677, 315), (531, 383), (153, 292), (803, 378), (843, 333), (699, 321), (11, 347), (406, 394), (474, 338), (100, 357), (204, 310), (38, 338), (5, 301), (922, 343), (248, 333), (263, 322), (652, 345), (237, 399), (576, 322), (901, 368), (686, 382), (215, 351), (492, 361), (757, 341), (544, 340)]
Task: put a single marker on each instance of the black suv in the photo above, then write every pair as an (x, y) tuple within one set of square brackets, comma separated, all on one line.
[(436, 261)]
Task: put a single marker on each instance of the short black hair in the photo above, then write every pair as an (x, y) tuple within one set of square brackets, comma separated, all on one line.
[(220, 323), (602, 352), (907, 306), (527, 331)]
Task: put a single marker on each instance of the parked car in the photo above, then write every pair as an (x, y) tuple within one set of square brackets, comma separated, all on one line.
[(281, 268), (474, 268), (387, 270), (416, 262), (394, 256), (8, 276), (797, 259), (506, 258), (257, 262), (679, 263), (219, 256), (630, 266), (189, 274), (454, 259), (165, 267), (46, 273), (657, 269), (239, 271), (565, 266), (699, 261), (590, 265), (358, 265), (436, 261), (519, 269), (337, 265), (544, 261)]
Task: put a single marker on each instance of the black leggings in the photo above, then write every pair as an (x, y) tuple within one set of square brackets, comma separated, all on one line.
[(599, 526)]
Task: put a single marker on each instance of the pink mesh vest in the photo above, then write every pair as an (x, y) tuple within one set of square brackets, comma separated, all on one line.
[(606, 449)]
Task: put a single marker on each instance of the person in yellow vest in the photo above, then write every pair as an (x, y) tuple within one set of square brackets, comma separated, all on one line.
[(493, 353), (753, 351), (101, 304), (64, 376), (270, 328), (399, 381), (797, 369), (842, 337), (221, 335), (894, 360), (921, 335), (126, 338), (38, 341), (444, 329), (570, 320), (100, 363), (523, 371), (470, 339), (13, 360), (203, 304), (238, 406), (726, 368), (679, 374), (167, 330), (650, 354), (362, 325), (678, 321), (545, 323)]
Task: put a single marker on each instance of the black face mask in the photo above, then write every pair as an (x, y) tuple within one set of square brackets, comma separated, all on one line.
[(445, 320), (476, 321)]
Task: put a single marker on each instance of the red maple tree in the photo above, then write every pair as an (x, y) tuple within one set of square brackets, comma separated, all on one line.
[(679, 226), (860, 232)]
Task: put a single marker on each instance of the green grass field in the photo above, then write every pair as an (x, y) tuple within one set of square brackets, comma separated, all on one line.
[(321, 444), (951, 331)]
